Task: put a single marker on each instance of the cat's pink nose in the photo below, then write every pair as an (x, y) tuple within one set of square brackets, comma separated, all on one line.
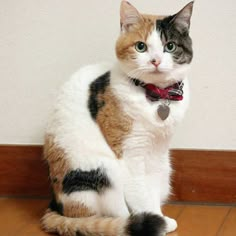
[(155, 62)]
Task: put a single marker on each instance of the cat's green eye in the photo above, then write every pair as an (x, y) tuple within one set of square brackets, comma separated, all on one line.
[(140, 47), (170, 47)]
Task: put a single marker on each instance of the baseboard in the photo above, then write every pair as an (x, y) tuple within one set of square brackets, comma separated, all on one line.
[(199, 176), (204, 176), (22, 171)]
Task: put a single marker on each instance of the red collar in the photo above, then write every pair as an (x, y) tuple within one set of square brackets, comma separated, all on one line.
[(153, 93)]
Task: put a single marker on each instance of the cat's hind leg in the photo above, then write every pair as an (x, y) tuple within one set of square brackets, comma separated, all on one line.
[(100, 189), (113, 203), (100, 212)]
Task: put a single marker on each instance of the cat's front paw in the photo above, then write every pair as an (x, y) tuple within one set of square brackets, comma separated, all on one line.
[(171, 224)]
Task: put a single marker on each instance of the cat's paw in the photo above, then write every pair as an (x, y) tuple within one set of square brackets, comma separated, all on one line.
[(171, 224)]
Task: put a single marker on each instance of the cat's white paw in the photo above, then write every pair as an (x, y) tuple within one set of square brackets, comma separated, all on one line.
[(171, 224)]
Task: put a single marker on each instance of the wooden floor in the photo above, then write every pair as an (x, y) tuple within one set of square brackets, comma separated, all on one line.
[(21, 217)]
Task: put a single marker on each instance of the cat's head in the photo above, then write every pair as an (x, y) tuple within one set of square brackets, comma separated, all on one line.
[(155, 49)]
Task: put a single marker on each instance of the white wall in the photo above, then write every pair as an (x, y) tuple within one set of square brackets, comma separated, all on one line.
[(43, 42)]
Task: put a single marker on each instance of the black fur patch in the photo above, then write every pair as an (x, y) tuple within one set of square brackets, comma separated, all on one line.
[(179, 34), (79, 234), (97, 87), (78, 180), (146, 224), (55, 206)]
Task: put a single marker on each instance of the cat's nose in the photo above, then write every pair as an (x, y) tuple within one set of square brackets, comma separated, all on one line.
[(156, 62)]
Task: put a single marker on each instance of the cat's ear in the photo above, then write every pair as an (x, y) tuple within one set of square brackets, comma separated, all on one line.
[(129, 16), (183, 17)]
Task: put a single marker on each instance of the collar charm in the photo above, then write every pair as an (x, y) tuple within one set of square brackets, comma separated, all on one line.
[(163, 111), (153, 93)]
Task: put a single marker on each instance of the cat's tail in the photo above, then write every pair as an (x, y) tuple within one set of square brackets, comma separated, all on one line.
[(136, 225)]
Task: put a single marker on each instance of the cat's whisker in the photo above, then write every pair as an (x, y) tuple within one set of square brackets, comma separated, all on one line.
[(137, 72)]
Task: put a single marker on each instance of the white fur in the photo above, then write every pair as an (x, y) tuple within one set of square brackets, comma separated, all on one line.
[(141, 178), (155, 51), (146, 148)]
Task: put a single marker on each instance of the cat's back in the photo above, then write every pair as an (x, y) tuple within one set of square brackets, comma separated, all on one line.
[(78, 85), (71, 124), (72, 98)]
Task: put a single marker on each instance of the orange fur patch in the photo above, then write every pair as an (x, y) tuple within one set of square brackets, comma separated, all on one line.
[(125, 49), (76, 209), (113, 122), (58, 166), (55, 223)]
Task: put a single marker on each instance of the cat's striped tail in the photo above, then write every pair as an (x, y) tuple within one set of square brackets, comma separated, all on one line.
[(136, 225)]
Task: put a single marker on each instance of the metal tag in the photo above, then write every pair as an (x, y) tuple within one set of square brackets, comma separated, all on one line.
[(163, 111)]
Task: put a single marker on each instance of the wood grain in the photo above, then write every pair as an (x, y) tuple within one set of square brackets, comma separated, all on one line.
[(199, 176), (201, 220), (22, 171), (21, 216), (172, 211), (204, 176), (229, 226)]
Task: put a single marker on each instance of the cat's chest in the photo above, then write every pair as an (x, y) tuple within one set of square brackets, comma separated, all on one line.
[(145, 148), (158, 116)]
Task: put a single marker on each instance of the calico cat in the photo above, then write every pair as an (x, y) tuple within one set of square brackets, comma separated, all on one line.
[(108, 138)]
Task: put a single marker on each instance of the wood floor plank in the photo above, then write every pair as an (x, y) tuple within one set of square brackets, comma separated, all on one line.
[(21, 217), (229, 226), (201, 220), (11, 220), (32, 229), (172, 210), (20, 214)]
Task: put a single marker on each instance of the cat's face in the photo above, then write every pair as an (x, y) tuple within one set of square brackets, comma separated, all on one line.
[(154, 49)]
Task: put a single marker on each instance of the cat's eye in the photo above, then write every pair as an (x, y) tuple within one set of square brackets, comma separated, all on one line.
[(140, 47), (170, 47)]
